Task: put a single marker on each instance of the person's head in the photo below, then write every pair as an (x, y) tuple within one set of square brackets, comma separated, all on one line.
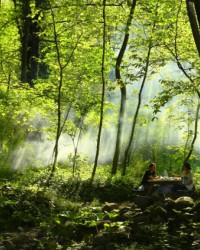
[(152, 167)]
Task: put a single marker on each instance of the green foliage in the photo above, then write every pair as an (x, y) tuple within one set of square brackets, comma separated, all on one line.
[(68, 90), (71, 54), (72, 211)]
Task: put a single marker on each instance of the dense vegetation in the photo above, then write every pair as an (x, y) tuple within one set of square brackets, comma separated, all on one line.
[(92, 91), (70, 213)]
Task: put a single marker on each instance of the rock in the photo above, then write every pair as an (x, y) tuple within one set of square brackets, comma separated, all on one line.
[(158, 214), (8, 244), (142, 201), (197, 206), (184, 202), (169, 204), (141, 217), (184, 198)]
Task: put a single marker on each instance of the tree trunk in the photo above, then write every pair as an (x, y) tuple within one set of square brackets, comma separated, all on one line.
[(103, 91), (193, 21), (76, 145), (137, 110), (195, 133), (196, 35), (122, 86), (29, 29), (60, 83), (197, 8)]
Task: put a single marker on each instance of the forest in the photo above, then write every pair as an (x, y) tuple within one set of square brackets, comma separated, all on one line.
[(91, 92)]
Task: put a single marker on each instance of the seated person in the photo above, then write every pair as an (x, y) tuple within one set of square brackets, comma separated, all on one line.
[(187, 179), (149, 174)]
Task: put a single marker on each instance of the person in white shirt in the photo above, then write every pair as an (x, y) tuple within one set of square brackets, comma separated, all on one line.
[(187, 179)]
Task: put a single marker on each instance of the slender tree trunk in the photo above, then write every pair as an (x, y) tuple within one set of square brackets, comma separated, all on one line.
[(197, 8), (196, 34), (58, 133), (122, 86), (61, 67), (195, 133), (76, 145), (194, 21), (137, 110), (188, 138), (103, 92)]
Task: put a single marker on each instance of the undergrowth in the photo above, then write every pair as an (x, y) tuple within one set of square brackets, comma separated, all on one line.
[(68, 211)]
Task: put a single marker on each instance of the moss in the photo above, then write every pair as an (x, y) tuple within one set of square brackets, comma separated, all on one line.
[(184, 202)]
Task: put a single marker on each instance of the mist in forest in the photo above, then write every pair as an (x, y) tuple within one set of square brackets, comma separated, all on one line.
[(39, 151)]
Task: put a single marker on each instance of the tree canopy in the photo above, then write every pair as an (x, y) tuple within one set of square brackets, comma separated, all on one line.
[(117, 81)]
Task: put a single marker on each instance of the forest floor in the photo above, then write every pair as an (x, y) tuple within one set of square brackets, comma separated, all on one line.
[(75, 215), (111, 225)]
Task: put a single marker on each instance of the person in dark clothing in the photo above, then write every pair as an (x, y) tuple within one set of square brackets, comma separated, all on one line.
[(149, 174)]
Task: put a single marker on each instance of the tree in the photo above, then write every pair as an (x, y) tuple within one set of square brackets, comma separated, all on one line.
[(122, 87), (147, 44), (193, 10), (28, 19), (75, 91), (103, 89)]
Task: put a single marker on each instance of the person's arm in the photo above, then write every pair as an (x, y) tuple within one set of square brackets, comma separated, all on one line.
[(153, 176)]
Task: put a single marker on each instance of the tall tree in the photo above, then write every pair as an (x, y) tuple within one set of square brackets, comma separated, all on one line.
[(134, 122), (103, 90), (186, 85), (122, 87), (176, 52), (193, 10), (195, 133), (61, 65), (28, 18)]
